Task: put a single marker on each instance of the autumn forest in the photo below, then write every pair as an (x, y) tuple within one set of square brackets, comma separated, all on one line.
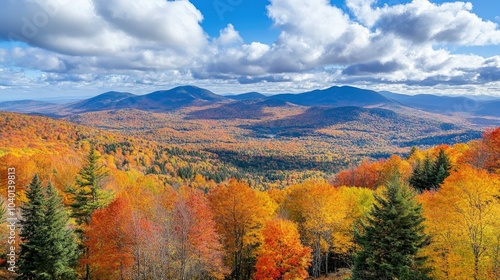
[(96, 200)]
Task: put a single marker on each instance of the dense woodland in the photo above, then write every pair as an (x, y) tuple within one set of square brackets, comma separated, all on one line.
[(285, 140), (116, 206)]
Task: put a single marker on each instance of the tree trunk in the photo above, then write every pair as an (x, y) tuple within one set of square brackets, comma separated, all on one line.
[(476, 263), (87, 272), (317, 257), (326, 263)]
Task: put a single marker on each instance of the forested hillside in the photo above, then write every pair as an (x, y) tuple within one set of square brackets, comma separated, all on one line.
[(117, 206), (270, 141)]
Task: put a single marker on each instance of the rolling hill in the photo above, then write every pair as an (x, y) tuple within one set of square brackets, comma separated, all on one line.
[(247, 96), (247, 109), (103, 101), (163, 100), (447, 104), (377, 123), (481, 112), (336, 96), (26, 106)]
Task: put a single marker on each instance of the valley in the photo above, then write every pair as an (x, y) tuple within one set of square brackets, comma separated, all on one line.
[(192, 160), (315, 133)]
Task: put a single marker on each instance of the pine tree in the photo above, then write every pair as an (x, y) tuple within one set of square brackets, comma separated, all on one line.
[(430, 174), (60, 252), (413, 150), (391, 238), (48, 250), (31, 262), (442, 167), (88, 195), (416, 179)]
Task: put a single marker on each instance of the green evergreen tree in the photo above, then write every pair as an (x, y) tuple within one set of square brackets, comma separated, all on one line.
[(391, 238), (31, 262), (88, 196), (49, 248), (413, 150), (417, 177), (61, 252), (424, 175), (442, 167), (430, 174)]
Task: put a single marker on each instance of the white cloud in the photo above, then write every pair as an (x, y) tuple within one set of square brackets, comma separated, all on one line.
[(156, 42), (422, 22), (229, 36), (391, 44), (95, 27)]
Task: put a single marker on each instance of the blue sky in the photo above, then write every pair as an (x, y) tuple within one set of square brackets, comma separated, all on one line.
[(79, 48)]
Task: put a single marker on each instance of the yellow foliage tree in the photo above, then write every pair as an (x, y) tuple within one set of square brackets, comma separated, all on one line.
[(240, 214), (358, 203), (463, 219), (319, 211)]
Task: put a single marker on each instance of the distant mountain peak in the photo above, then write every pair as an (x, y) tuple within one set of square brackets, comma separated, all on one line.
[(248, 96), (186, 92), (336, 96)]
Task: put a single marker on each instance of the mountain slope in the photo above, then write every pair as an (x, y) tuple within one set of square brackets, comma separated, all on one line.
[(26, 106), (447, 104), (371, 126), (247, 96), (336, 96), (103, 101), (166, 100), (247, 109)]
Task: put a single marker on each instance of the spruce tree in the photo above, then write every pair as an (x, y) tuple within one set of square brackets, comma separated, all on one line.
[(49, 248), (61, 254), (32, 235), (391, 238), (88, 196), (429, 177), (423, 176), (430, 174), (442, 167), (417, 177)]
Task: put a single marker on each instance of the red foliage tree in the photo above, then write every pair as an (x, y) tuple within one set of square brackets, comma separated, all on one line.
[(110, 241), (282, 256), (197, 242)]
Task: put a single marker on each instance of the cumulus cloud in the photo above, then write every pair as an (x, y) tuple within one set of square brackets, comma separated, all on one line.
[(229, 36), (422, 22), (371, 68), (96, 27), (150, 42), (390, 44)]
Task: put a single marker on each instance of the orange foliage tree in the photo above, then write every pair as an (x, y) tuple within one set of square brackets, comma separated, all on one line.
[(110, 241), (240, 213), (366, 174), (282, 256), (198, 250), (484, 153), (492, 140), (373, 174)]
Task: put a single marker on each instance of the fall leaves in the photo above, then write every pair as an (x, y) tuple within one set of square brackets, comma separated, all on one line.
[(281, 255), (463, 218), (173, 214)]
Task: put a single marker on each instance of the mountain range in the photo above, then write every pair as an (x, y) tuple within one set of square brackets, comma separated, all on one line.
[(252, 105)]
